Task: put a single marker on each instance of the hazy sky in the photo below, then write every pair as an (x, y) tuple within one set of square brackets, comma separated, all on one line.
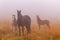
[(48, 9)]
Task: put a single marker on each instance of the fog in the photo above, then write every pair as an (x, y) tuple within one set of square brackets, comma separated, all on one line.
[(46, 9)]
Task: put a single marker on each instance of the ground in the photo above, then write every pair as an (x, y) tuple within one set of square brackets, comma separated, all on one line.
[(44, 33)]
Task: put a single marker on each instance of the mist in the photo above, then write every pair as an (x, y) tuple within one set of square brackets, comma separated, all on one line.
[(46, 9)]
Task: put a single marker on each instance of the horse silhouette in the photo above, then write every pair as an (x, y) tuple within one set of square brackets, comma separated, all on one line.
[(42, 22), (23, 21), (14, 23)]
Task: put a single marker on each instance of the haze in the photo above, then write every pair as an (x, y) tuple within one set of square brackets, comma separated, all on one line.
[(46, 9)]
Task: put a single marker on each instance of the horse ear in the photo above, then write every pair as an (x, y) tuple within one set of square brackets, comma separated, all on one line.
[(17, 10), (37, 15)]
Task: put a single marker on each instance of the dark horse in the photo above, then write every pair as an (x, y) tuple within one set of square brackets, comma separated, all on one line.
[(42, 22), (23, 21)]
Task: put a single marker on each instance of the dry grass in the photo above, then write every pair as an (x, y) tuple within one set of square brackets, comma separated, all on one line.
[(44, 33)]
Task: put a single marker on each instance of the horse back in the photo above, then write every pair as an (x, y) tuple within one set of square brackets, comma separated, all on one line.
[(27, 19), (46, 21)]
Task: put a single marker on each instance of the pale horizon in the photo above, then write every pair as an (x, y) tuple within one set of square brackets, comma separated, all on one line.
[(46, 9)]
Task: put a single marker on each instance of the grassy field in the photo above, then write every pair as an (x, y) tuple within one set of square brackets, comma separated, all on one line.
[(44, 33)]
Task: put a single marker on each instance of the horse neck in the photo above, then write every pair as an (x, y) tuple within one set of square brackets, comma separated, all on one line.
[(38, 19), (14, 18), (19, 17)]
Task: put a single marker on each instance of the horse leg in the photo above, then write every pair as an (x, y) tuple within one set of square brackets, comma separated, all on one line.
[(28, 29), (19, 30), (39, 26), (48, 26), (12, 27), (23, 30), (15, 30)]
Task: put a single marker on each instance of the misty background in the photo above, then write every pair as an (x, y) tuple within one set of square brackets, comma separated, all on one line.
[(46, 9)]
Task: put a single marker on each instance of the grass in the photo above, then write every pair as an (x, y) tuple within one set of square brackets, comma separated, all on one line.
[(36, 34)]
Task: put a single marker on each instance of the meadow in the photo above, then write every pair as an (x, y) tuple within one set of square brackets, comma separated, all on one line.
[(6, 32)]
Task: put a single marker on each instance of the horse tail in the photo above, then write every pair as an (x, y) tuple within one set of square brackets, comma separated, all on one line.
[(29, 26)]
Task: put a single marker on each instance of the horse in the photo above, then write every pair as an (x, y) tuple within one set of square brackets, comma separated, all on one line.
[(42, 22), (14, 23), (23, 21)]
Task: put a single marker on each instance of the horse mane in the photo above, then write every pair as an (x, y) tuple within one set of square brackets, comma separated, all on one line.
[(38, 18)]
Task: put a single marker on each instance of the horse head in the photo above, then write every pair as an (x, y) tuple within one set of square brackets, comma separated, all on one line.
[(38, 17), (13, 16), (18, 12)]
